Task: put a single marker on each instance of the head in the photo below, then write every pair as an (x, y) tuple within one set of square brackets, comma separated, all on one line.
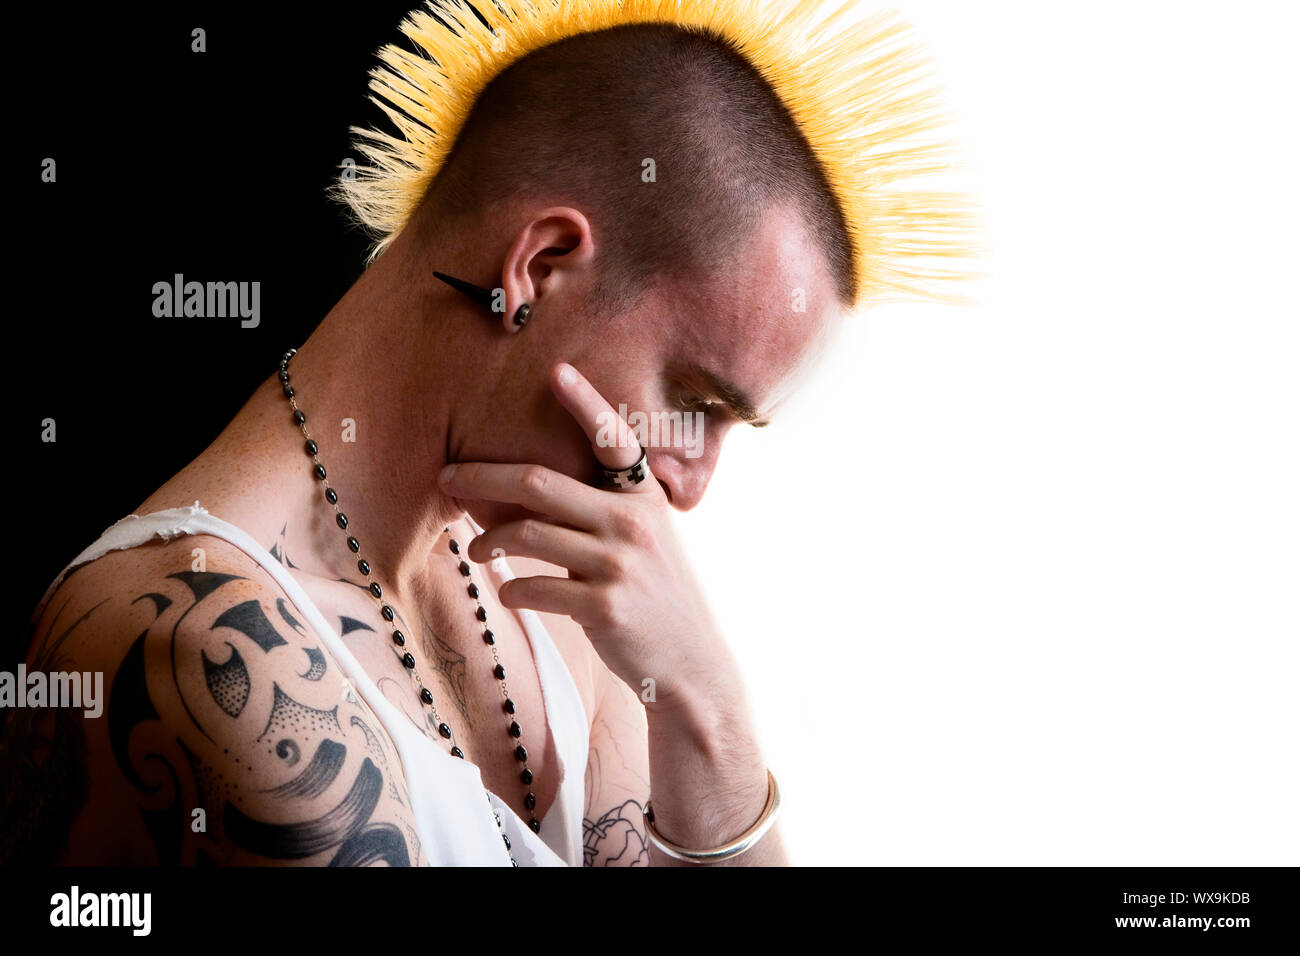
[(646, 192)]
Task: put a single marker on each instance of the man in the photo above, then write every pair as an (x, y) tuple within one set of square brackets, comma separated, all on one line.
[(321, 661)]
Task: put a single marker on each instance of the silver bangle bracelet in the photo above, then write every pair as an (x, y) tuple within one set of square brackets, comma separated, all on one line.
[(736, 847)]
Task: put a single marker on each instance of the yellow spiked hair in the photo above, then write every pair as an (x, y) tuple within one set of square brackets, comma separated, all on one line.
[(857, 91)]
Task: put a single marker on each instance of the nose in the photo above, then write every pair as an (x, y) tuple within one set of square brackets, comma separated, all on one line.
[(684, 479)]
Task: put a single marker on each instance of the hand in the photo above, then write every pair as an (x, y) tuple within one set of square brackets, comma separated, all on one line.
[(629, 585)]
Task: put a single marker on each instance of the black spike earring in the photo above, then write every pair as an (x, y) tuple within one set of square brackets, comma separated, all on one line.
[(483, 296)]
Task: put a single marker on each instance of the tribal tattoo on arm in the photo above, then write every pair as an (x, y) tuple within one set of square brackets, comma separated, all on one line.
[(42, 761), (235, 735)]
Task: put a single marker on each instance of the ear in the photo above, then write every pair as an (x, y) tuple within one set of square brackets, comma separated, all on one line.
[(553, 249)]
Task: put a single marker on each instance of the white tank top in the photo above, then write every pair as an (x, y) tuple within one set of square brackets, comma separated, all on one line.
[(459, 821)]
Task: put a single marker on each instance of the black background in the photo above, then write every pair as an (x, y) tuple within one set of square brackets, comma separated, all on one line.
[(213, 165)]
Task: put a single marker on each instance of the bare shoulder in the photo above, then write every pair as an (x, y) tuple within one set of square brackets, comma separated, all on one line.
[(213, 726)]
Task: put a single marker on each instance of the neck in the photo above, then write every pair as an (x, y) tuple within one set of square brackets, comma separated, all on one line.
[(382, 454), (378, 381)]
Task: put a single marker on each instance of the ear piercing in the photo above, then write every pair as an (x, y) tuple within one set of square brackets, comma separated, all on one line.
[(483, 296)]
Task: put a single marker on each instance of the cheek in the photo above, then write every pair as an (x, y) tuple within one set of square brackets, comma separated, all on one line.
[(559, 443)]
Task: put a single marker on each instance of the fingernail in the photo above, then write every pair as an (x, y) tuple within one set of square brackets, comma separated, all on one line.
[(447, 473), (568, 375)]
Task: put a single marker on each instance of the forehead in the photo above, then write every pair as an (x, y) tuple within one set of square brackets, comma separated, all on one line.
[(762, 316)]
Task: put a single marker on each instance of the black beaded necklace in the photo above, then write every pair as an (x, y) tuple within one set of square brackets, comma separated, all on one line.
[(388, 614)]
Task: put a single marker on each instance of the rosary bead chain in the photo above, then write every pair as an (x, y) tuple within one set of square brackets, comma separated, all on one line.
[(388, 614), (499, 672)]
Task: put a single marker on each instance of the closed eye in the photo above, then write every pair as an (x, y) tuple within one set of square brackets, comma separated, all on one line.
[(691, 402)]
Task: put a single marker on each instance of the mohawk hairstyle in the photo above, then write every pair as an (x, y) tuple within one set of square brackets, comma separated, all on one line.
[(856, 93)]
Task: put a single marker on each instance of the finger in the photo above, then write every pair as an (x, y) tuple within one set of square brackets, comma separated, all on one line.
[(577, 551), (549, 595), (533, 486), (612, 440)]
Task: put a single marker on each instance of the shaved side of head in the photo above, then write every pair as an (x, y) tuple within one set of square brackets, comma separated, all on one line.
[(667, 140)]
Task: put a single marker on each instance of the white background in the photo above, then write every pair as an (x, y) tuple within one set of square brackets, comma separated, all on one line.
[(1017, 584)]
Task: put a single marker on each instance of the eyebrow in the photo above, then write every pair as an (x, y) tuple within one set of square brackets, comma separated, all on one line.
[(730, 395)]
